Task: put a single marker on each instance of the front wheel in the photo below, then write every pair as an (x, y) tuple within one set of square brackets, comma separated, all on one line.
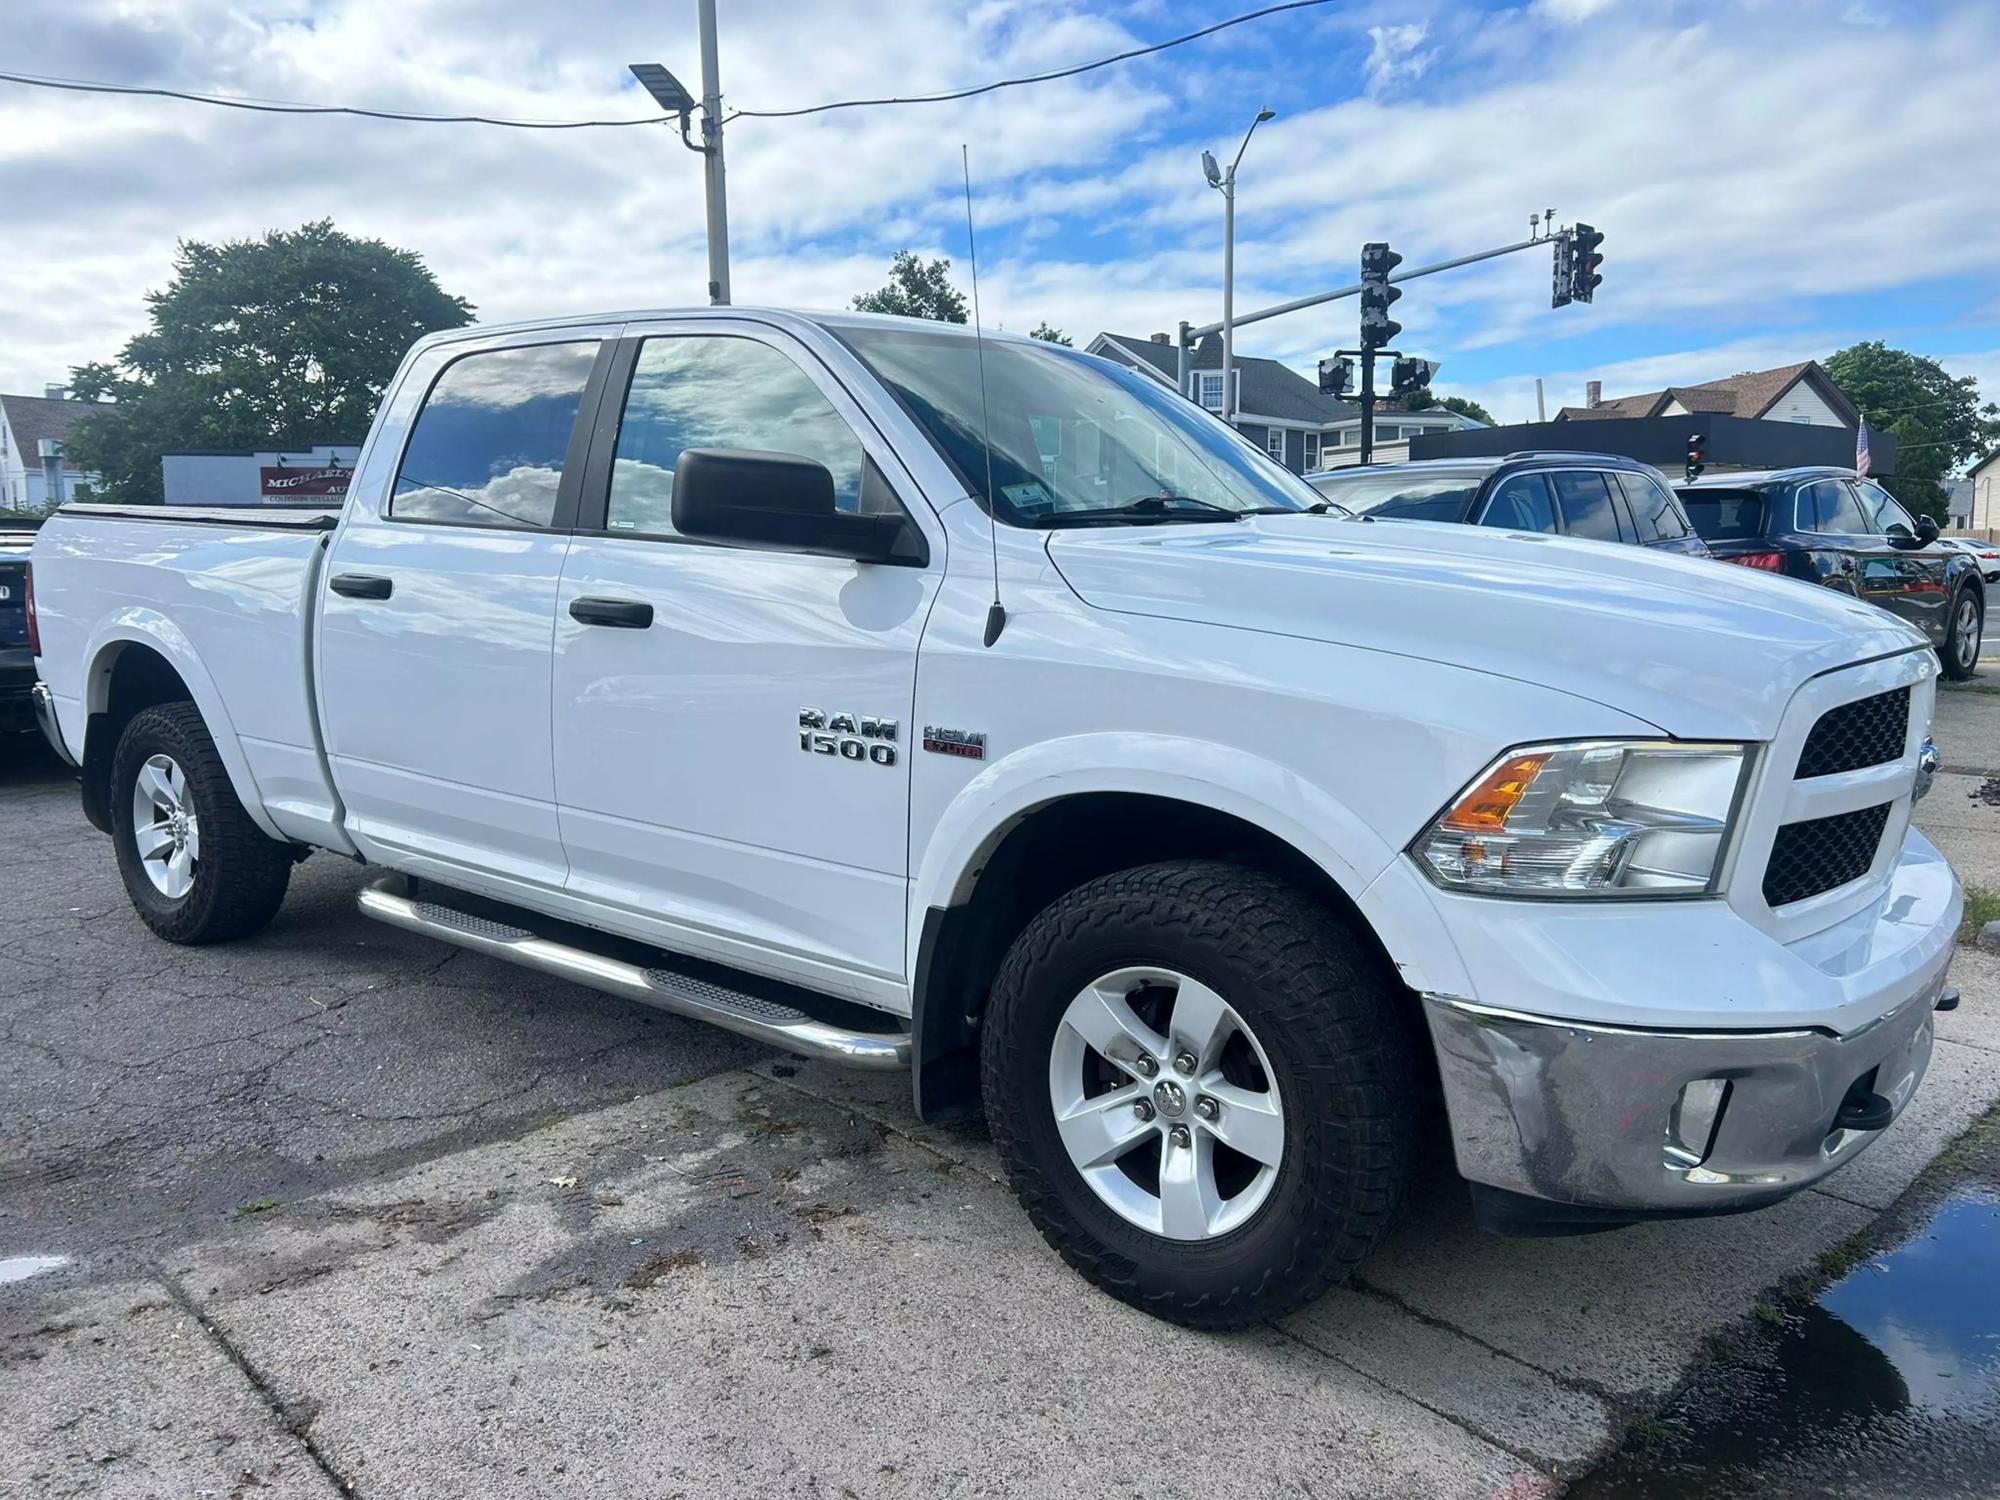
[(197, 868), (1202, 1089), (1960, 652)]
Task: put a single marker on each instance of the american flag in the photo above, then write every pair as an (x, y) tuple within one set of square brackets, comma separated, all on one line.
[(1861, 448)]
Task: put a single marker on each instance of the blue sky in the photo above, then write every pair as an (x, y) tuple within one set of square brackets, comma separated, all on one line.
[(1775, 179)]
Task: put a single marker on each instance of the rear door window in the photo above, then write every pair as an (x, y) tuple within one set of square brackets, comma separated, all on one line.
[(1586, 505), (1521, 503), (1726, 515), (489, 445), (1653, 510), (1829, 507)]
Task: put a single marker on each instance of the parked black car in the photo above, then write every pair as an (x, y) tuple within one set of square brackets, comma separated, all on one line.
[(1831, 526), (17, 662), (1596, 495)]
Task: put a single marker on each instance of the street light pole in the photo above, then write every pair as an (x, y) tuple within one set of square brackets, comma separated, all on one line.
[(711, 137), (1226, 183)]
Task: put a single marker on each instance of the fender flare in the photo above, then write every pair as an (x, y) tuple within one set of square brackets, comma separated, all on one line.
[(1246, 786), (149, 628)]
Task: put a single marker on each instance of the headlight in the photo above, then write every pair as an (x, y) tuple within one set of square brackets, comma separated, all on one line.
[(1593, 818)]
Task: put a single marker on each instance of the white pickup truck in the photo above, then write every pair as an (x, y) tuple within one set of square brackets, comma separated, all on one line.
[(1241, 843)]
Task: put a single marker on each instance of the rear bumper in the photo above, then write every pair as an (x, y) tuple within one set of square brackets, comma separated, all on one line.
[(45, 716), (17, 684), (1601, 1117)]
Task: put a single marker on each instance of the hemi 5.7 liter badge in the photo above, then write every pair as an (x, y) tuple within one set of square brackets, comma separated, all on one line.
[(960, 742)]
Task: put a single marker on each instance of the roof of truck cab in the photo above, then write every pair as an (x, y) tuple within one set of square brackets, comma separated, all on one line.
[(830, 320)]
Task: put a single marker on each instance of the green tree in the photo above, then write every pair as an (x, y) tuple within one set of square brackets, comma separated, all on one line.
[(917, 289), (1049, 335), (1424, 399), (1937, 418), (274, 343)]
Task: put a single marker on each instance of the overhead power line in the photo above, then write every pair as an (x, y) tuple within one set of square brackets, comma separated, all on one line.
[(288, 107), (294, 107), (1013, 83)]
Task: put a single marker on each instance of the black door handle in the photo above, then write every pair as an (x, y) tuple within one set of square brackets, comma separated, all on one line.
[(623, 614), (362, 585)]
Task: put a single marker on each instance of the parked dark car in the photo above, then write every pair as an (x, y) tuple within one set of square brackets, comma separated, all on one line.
[(1832, 527), (17, 662), (1595, 495)]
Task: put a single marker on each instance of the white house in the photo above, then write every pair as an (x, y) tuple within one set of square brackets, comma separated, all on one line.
[(1984, 478), (1802, 393), (33, 429)]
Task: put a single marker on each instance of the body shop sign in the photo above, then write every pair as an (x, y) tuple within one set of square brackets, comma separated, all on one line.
[(280, 485)]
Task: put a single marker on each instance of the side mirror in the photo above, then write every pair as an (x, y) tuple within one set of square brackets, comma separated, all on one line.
[(1927, 530), (775, 500)]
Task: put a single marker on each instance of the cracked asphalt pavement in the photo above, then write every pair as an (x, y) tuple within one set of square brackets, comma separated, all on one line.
[(347, 1212)]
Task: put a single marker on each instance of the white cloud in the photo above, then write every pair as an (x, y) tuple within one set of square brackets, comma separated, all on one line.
[(1394, 55), (1570, 12)]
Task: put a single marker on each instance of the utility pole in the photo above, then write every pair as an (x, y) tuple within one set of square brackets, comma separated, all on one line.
[(711, 138), (672, 96)]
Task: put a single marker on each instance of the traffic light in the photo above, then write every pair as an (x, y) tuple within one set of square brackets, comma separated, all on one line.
[(1563, 271), (1411, 374), (1336, 376), (1584, 260), (1697, 456), (1378, 329)]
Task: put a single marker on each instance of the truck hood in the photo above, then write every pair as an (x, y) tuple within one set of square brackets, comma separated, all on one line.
[(1699, 649)]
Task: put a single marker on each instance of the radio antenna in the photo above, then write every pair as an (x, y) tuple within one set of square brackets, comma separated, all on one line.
[(996, 616)]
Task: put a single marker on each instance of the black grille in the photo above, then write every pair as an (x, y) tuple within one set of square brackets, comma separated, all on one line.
[(1823, 853), (1868, 732)]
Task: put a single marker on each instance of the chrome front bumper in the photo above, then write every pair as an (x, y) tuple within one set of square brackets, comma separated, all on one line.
[(1602, 1117), (45, 716)]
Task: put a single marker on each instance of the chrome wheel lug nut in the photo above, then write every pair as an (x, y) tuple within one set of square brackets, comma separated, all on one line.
[(1143, 1108), (1207, 1108), (1147, 1066), (1185, 1064), (1179, 1135)]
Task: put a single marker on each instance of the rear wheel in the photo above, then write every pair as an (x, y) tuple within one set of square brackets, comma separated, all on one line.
[(1960, 652), (197, 868), (1202, 1089)]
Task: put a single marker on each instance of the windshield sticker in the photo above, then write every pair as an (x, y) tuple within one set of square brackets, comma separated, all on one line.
[(1032, 498)]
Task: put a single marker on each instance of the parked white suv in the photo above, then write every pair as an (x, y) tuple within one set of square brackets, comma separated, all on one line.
[(1233, 833)]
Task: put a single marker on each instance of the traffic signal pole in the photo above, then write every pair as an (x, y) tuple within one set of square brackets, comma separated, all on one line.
[(1191, 334), (1367, 407)]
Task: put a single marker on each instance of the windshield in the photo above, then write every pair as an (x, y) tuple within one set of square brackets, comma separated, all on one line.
[(1427, 497), (1725, 515), (1075, 440)]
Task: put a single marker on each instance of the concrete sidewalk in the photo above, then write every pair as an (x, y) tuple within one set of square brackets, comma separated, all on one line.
[(773, 1280)]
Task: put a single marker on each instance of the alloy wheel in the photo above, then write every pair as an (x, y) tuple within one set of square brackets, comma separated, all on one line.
[(165, 828), (1968, 633), (1166, 1103)]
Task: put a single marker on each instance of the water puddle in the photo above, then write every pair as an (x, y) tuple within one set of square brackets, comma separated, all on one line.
[(1888, 1384), (21, 1267)]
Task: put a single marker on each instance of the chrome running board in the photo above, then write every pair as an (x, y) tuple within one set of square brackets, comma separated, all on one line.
[(389, 900)]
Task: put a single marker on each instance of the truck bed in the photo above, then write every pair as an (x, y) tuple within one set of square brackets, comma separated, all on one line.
[(224, 597)]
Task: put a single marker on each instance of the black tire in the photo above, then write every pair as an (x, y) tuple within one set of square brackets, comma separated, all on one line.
[(1326, 1012), (1959, 663), (240, 877)]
